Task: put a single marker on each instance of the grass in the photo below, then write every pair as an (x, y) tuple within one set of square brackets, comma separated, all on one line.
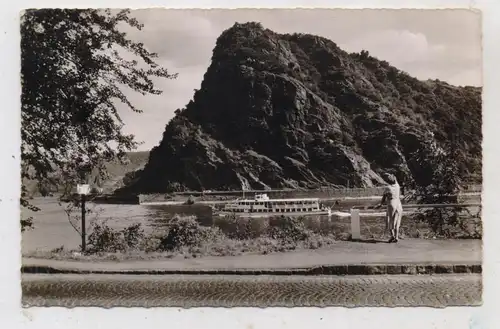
[(225, 247)]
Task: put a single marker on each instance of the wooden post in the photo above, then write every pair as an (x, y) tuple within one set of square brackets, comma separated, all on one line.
[(84, 238), (355, 225)]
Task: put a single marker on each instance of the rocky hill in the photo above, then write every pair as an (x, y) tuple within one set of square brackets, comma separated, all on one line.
[(297, 111)]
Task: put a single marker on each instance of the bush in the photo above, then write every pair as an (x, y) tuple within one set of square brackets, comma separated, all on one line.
[(288, 229), (190, 201), (316, 225), (242, 228), (187, 232), (440, 181), (457, 222), (257, 227), (440, 220), (284, 229), (133, 235), (232, 226), (106, 239)]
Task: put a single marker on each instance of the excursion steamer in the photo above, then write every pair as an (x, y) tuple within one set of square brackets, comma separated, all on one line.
[(263, 206)]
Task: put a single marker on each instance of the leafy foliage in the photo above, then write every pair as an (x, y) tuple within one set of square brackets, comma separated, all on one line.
[(133, 235), (440, 181), (106, 239), (131, 177), (242, 228), (190, 201), (186, 232), (27, 223), (75, 67), (290, 229)]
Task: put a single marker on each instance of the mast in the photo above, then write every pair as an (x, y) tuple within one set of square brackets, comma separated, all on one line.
[(243, 189)]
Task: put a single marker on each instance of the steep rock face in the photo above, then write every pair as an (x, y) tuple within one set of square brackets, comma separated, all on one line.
[(297, 111)]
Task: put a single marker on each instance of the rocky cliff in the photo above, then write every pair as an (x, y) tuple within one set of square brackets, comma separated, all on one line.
[(297, 111)]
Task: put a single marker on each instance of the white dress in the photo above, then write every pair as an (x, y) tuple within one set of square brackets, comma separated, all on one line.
[(394, 207)]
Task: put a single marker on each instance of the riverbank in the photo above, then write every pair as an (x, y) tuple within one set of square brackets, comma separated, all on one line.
[(185, 237), (410, 256), (55, 238)]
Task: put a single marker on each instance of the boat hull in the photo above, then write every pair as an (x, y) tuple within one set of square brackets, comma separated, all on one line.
[(273, 214)]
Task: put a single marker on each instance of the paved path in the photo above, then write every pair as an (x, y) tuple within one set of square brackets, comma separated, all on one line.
[(411, 251), (251, 291)]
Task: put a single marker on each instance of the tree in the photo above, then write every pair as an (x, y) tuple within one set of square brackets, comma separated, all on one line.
[(74, 75), (438, 180)]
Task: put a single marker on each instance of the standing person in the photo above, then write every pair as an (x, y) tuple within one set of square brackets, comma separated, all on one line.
[(394, 211)]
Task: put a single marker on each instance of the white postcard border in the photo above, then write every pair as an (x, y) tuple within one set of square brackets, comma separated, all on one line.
[(13, 316)]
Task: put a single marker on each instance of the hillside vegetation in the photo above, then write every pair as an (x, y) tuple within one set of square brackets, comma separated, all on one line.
[(116, 173), (297, 111)]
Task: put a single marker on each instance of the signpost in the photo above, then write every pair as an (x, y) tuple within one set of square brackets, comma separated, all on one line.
[(83, 190), (355, 225)]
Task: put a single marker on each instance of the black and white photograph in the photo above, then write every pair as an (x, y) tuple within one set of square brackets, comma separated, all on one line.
[(251, 157)]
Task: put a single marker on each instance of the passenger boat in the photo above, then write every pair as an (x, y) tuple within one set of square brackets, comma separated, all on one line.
[(263, 206)]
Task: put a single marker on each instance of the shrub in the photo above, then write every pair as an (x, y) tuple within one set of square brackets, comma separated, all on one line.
[(150, 244), (242, 228), (133, 235), (314, 224), (474, 226), (190, 201), (288, 229), (233, 227), (440, 181), (187, 232), (104, 239), (452, 223), (440, 220), (257, 227)]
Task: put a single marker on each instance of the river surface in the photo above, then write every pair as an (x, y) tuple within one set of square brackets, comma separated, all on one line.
[(53, 229)]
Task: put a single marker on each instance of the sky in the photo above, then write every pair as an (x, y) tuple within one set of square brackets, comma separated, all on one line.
[(428, 44)]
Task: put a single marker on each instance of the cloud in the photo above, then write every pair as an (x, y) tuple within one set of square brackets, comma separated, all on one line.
[(415, 54), (180, 36), (398, 47)]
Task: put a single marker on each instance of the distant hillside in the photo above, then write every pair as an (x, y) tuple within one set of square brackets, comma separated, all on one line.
[(116, 171), (295, 110)]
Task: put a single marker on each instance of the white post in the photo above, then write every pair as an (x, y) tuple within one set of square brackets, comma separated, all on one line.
[(83, 190), (355, 226)]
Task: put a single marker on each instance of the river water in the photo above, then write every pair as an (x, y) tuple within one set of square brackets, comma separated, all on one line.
[(53, 228)]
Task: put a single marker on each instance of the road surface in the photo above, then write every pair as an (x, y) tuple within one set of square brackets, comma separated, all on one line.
[(72, 290)]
